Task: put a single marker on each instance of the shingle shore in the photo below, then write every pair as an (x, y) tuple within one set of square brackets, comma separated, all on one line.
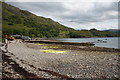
[(73, 63)]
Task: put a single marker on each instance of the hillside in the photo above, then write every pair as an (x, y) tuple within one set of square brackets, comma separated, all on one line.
[(117, 31), (17, 21)]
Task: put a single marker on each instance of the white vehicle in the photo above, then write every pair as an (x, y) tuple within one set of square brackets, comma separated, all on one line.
[(26, 38)]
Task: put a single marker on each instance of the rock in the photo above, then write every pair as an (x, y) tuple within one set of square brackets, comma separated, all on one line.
[(12, 63)]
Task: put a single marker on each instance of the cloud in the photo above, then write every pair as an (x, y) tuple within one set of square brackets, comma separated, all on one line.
[(75, 14), (62, 0), (92, 12)]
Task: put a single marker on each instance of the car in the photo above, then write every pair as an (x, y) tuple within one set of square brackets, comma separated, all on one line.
[(26, 38), (17, 36)]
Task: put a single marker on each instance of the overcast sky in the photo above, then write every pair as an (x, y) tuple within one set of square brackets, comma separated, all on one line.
[(74, 14)]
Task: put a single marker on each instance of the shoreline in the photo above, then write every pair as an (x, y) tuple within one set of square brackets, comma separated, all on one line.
[(74, 45), (59, 42), (12, 68), (107, 42), (74, 63)]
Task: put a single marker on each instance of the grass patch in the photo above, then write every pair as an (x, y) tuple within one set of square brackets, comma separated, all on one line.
[(41, 44), (50, 47), (53, 51)]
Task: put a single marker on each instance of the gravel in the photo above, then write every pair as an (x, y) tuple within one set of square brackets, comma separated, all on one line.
[(73, 63)]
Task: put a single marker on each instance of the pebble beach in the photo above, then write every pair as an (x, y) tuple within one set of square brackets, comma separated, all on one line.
[(47, 61)]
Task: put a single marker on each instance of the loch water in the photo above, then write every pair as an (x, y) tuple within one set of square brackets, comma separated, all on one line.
[(108, 42)]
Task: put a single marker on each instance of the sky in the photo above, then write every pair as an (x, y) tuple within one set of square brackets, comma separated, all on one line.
[(77, 14)]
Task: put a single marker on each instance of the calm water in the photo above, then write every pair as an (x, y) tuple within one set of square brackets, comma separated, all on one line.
[(108, 42)]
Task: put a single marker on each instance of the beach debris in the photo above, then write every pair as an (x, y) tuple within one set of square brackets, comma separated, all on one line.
[(53, 51)]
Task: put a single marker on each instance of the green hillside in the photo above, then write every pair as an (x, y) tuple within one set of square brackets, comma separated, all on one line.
[(117, 31), (17, 21)]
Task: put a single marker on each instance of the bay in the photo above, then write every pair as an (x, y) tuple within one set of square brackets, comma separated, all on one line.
[(108, 42)]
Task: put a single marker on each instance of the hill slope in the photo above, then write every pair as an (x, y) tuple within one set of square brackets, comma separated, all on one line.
[(117, 31), (17, 21)]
